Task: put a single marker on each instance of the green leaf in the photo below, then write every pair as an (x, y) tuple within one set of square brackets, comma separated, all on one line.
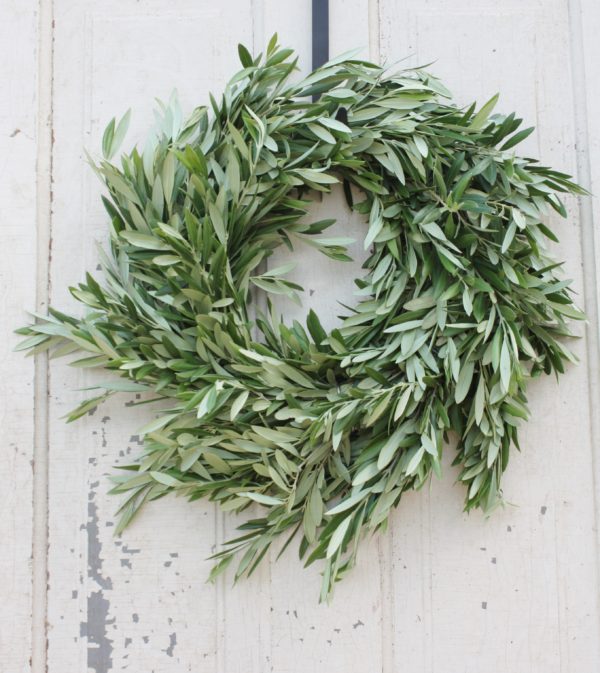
[(481, 117), (218, 223), (415, 460), (166, 479), (464, 381), (389, 449), (322, 134), (261, 498), (337, 538), (366, 473), (157, 424), (245, 56), (317, 176), (144, 241), (505, 366), (517, 138), (238, 404)]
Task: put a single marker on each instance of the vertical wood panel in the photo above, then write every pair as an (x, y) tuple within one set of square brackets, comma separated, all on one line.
[(585, 63), (18, 135), (509, 593), (139, 602), (346, 635)]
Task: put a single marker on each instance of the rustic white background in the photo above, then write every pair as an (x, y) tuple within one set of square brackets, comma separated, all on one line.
[(442, 592)]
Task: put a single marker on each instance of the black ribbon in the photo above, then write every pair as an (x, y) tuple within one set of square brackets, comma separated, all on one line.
[(320, 32)]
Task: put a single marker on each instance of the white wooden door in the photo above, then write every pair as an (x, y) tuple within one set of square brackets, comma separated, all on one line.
[(442, 591)]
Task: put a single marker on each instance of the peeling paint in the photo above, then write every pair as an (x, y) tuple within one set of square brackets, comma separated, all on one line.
[(99, 651), (99, 645), (172, 644), (94, 544)]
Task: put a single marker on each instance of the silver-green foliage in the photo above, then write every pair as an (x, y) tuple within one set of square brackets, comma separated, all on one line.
[(459, 304)]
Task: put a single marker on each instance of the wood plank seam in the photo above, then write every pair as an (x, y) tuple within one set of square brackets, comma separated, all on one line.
[(374, 31), (589, 249), (45, 45)]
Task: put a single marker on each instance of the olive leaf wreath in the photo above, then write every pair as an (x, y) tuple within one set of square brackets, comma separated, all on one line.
[(459, 304)]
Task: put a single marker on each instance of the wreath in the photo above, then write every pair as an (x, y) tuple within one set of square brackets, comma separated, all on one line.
[(458, 307)]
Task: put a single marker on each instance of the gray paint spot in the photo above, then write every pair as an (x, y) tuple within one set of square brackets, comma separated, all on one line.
[(99, 649), (508, 529), (128, 550), (135, 617), (15, 133), (494, 560), (484, 605), (543, 510), (125, 563), (94, 544), (172, 643), (357, 624), (127, 642)]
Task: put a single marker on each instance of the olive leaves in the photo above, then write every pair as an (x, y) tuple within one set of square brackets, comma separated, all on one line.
[(459, 305)]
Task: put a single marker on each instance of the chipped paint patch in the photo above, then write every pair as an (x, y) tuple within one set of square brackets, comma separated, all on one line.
[(172, 644), (99, 645)]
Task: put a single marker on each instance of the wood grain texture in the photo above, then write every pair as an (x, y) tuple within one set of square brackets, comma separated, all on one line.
[(18, 133), (441, 591)]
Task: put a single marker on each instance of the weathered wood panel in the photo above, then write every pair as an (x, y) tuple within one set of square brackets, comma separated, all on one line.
[(140, 602), (18, 134), (512, 592), (441, 591)]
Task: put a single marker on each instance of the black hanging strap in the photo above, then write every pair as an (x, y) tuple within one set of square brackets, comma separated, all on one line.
[(320, 32)]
